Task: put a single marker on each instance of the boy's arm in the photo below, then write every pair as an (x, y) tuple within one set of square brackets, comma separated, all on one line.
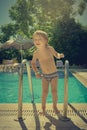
[(33, 63), (34, 67), (56, 54)]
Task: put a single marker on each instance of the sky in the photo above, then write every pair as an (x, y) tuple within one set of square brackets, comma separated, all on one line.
[(81, 19), (4, 11), (6, 4)]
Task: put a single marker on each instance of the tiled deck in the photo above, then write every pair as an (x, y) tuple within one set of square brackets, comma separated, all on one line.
[(32, 120)]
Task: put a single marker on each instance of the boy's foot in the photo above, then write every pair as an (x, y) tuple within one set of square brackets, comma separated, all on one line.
[(42, 113), (55, 109)]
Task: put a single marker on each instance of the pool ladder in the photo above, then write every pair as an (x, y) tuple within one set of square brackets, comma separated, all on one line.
[(66, 72)]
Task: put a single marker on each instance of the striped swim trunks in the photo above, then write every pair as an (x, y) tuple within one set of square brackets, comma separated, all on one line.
[(49, 77)]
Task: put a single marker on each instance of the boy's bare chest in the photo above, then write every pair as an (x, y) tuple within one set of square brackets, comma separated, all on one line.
[(44, 56)]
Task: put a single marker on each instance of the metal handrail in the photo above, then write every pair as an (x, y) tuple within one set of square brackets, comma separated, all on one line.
[(20, 91), (65, 107), (21, 86), (30, 81)]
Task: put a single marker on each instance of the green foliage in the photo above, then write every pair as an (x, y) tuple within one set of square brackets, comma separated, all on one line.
[(8, 31), (9, 54), (21, 14), (70, 38)]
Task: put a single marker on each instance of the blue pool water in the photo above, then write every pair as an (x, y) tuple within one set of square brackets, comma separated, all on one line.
[(77, 93)]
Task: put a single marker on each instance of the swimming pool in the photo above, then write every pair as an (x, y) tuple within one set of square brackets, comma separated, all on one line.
[(77, 93)]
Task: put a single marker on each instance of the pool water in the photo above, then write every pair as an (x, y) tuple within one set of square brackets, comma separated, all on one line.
[(9, 82)]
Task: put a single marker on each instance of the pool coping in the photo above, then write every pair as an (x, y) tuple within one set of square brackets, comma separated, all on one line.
[(81, 75)]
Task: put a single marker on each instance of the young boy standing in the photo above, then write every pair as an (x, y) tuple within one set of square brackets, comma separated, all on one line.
[(45, 55)]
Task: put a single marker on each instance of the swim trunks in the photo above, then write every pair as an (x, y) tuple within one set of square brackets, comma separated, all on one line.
[(49, 77)]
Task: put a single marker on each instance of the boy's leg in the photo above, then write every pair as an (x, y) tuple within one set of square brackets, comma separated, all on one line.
[(45, 88), (54, 82)]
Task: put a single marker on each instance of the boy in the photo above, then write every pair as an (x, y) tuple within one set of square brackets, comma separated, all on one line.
[(45, 55)]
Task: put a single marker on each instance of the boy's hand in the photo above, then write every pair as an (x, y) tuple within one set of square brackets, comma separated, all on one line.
[(61, 55), (38, 75)]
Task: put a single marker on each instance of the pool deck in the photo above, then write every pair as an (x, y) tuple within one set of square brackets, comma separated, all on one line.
[(32, 120)]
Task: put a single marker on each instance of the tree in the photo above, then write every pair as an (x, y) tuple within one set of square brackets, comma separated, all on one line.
[(70, 38), (8, 31), (21, 13), (38, 14), (9, 54), (30, 15)]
